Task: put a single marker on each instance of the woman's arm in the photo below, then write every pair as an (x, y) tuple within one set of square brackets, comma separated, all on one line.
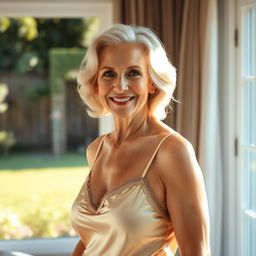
[(79, 249), (186, 197)]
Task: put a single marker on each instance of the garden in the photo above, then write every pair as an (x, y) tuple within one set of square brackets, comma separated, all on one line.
[(37, 193), (38, 187)]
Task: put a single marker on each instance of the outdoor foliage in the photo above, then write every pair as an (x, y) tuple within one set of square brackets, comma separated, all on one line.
[(7, 138), (63, 66), (36, 201), (25, 42), (37, 221), (36, 195), (3, 94)]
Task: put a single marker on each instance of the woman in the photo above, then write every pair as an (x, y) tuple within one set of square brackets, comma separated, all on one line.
[(145, 193)]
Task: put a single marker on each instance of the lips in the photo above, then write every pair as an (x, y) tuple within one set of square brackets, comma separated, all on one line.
[(122, 100)]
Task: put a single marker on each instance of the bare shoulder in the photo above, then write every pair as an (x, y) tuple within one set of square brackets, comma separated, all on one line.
[(178, 161), (175, 145), (185, 194), (92, 149), (179, 145)]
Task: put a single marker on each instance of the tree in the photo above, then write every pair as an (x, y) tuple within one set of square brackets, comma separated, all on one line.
[(25, 42)]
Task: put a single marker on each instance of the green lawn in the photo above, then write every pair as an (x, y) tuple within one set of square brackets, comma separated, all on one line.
[(33, 186), (31, 161)]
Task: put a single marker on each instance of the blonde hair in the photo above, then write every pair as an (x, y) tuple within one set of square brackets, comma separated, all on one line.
[(161, 71)]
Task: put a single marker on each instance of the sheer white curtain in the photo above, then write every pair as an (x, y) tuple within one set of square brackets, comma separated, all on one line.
[(210, 152)]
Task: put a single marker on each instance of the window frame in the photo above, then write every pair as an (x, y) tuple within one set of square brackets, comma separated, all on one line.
[(242, 5), (229, 79), (64, 9), (227, 18)]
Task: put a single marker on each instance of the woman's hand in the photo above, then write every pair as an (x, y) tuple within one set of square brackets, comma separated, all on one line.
[(185, 196), (79, 249)]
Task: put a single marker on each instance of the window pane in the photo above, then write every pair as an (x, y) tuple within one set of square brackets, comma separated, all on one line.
[(250, 180), (249, 113), (249, 46), (37, 189), (249, 130), (249, 236)]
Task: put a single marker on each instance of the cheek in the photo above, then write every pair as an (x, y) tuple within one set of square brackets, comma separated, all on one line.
[(140, 87), (102, 92), (103, 87)]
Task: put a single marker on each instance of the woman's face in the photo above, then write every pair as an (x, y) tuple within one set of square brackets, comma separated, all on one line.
[(123, 80)]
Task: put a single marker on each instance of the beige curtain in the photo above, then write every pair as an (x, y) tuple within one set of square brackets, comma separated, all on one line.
[(180, 24)]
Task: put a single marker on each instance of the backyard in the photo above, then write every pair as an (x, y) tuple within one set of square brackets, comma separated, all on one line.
[(37, 188), (36, 194)]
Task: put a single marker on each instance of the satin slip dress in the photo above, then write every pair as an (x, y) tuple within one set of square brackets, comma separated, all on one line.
[(128, 221)]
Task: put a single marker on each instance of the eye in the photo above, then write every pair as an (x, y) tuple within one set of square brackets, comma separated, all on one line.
[(109, 74), (134, 73)]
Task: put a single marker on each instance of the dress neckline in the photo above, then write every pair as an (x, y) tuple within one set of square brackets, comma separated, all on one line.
[(142, 177), (135, 181)]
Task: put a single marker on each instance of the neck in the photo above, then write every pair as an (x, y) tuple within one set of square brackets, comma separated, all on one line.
[(131, 127)]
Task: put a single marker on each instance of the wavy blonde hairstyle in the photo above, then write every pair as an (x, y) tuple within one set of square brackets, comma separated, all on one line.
[(161, 71)]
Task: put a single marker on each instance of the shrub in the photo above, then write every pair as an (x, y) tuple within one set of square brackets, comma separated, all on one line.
[(39, 220)]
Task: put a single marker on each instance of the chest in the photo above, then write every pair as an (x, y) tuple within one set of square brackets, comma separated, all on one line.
[(114, 168), (127, 212)]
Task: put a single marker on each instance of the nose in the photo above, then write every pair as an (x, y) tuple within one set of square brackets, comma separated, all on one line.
[(121, 85)]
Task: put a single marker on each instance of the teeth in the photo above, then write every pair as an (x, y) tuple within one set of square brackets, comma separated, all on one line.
[(122, 99)]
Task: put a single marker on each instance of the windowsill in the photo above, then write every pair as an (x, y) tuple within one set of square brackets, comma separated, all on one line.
[(62, 246)]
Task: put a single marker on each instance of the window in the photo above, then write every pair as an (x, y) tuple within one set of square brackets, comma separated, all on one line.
[(247, 88), (65, 9)]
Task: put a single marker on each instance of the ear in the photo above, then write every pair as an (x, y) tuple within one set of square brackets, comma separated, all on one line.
[(151, 88)]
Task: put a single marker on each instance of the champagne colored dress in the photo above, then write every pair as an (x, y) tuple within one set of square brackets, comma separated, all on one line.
[(128, 221)]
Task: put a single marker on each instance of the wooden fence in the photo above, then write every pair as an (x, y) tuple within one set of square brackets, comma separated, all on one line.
[(29, 114)]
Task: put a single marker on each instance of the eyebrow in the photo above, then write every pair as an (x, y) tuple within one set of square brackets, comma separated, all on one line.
[(137, 66), (107, 67)]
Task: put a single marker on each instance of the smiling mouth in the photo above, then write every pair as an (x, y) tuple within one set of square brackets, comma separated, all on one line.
[(121, 100)]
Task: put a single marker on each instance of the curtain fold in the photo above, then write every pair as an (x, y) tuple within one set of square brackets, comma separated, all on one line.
[(210, 148), (188, 29)]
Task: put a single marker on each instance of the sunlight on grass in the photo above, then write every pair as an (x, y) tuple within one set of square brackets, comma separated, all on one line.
[(35, 194), (55, 186), (32, 161)]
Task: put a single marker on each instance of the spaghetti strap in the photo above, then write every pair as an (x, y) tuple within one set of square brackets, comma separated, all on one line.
[(154, 154), (98, 150)]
